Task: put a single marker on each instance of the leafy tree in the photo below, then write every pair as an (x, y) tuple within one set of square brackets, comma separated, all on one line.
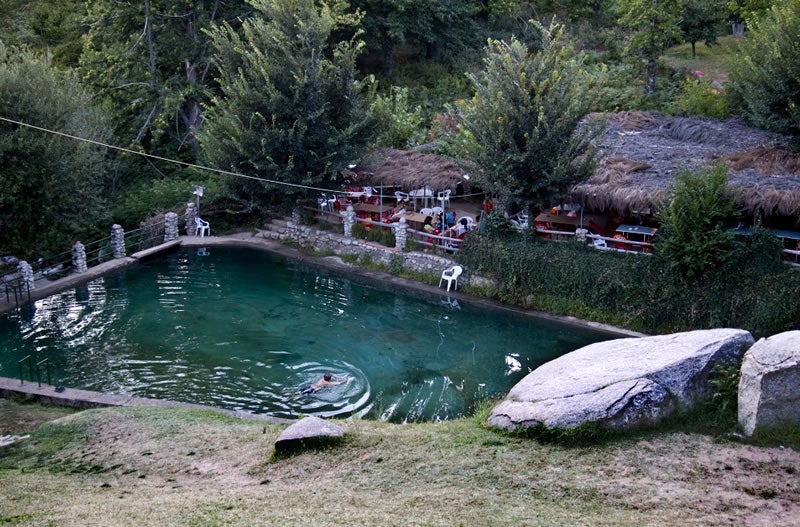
[(702, 21), (403, 127), (741, 11), (433, 26), (291, 109), (654, 27), (765, 79), (52, 187), (57, 26), (694, 239), (524, 120), (44, 25), (150, 61)]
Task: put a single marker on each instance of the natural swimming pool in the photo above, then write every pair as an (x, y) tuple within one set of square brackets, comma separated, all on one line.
[(245, 329)]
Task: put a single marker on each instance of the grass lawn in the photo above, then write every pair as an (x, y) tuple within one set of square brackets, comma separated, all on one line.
[(714, 61), (157, 466)]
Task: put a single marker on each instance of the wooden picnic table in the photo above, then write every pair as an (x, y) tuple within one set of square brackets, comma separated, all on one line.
[(415, 218)]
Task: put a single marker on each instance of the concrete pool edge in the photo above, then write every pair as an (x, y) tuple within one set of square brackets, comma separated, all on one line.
[(85, 399)]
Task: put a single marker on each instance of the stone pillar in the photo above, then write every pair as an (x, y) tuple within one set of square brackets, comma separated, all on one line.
[(580, 234), (171, 227), (79, 257), (26, 272), (118, 241), (297, 216), (400, 234), (191, 214), (349, 220)]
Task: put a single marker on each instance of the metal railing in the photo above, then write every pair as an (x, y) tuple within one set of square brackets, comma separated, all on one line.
[(34, 366), (619, 244), (97, 252), (435, 241), (145, 237)]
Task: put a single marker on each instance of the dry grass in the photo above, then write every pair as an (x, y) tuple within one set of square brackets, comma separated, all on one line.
[(153, 466), (766, 161)]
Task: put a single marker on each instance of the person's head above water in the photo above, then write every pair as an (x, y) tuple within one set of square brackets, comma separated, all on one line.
[(327, 376)]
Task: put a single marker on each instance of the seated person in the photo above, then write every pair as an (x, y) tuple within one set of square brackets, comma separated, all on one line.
[(458, 230), (427, 225), (450, 218)]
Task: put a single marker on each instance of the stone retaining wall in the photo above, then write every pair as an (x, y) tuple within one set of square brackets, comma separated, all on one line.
[(331, 242)]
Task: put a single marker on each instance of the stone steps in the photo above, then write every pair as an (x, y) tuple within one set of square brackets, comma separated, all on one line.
[(276, 229)]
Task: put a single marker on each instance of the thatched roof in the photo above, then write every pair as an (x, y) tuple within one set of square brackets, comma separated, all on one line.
[(644, 151), (409, 170)]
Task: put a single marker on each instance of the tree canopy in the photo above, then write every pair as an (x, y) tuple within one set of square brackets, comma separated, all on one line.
[(653, 25), (291, 109), (524, 121), (151, 62), (53, 187), (701, 21), (766, 79)]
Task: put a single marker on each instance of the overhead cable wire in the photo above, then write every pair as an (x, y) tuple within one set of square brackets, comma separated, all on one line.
[(153, 156), (182, 163)]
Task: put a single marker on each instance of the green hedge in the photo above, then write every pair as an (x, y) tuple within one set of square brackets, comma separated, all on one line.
[(634, 291)]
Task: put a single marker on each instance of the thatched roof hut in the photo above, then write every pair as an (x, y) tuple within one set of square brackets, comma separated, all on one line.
[(409, 170), (644, 151)]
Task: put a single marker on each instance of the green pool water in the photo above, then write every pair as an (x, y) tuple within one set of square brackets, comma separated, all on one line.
[(244, 329)]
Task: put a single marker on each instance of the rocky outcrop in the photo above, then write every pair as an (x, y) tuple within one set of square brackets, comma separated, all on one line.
[(769, 388), (622, 382), (309, 431)]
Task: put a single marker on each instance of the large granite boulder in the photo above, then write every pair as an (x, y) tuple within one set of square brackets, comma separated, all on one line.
[(620, 383), (769, 388), (308, 432)]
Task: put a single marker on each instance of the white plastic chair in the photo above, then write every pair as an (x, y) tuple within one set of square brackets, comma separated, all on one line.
[(323, 202), (444, 197), (471, 223), (424, 194), (451, 275), (437, 210), (203, 227), (600, 243), (426, 211), (401, 196)]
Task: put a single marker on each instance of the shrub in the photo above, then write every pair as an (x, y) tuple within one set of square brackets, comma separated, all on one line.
[(402, 126), (700, 97), (359, 231), (638, 292), (496, 224), (764, 79), (694, 239), (387, 238), (396, 264)]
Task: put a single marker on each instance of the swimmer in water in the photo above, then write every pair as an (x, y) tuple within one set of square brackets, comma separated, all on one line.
[(324, 382)]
